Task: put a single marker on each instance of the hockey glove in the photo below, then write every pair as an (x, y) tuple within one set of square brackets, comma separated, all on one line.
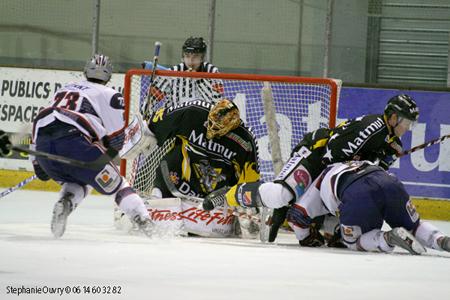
[(4, 144), (40, 173), (387, 161), (314, 239)]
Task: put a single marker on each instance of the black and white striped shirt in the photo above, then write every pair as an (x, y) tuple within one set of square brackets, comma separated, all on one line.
[(177, 90)]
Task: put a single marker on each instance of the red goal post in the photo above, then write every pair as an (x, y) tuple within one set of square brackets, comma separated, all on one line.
[(279, 109)]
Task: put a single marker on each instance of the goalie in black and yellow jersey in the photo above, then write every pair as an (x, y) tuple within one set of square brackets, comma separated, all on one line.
[(212, 149)]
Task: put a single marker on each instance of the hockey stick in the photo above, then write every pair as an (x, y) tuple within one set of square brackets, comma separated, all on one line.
[(174, 191), (424, 145), (17, 186), (146, 112), (94, 165)]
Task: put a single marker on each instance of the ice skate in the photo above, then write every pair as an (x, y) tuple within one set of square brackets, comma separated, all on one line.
[(61, 211), (145, 225), (401, 237)]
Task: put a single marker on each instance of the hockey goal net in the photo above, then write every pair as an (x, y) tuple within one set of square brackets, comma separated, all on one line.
[(279, 110)]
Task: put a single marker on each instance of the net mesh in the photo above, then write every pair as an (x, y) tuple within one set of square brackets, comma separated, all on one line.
[(301, 105)]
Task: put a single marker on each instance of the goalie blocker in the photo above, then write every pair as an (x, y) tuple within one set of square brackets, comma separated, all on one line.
[(138, 139)]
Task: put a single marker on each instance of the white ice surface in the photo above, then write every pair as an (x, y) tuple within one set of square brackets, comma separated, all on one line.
[(93, 253)]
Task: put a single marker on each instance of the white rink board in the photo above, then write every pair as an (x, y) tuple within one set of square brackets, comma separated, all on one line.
[(92, 253)]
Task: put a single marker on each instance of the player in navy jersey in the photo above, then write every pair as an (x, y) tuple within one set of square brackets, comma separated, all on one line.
[(364, 195), (83, 120)]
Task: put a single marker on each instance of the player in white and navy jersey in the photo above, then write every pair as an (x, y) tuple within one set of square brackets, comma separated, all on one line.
[(180, 89), (83, 120), (364, 195)]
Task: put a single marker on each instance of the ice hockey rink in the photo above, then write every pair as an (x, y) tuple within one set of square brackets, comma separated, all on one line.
[(93, 255)]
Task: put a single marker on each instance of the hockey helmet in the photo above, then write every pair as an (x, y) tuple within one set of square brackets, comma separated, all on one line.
[(404, 106), (99, 67), (194, 45), (222, 118)]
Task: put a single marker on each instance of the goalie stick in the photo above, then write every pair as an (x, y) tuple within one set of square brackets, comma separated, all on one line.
[(146, 111), (174, 191), (99, 162)]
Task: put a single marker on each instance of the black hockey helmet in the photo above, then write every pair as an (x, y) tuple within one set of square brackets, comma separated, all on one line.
[(404, 106), (194, 45)]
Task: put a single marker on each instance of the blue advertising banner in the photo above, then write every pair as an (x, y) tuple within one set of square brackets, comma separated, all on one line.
[(425, 173)]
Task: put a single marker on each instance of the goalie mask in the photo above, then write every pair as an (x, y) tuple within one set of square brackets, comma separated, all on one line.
[(99, 67), (223, 117)]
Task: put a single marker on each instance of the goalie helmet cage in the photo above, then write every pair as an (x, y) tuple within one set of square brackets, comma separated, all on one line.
[(278, 109)]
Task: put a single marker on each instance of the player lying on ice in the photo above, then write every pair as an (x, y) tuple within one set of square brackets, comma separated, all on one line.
[(373, 137), (362, 195), (213, 150), (83, 120)]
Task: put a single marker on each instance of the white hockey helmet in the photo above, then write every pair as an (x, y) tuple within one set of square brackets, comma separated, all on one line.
[(99, 67)]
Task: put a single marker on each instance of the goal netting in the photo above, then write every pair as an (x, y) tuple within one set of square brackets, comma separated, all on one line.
[(279, 109)]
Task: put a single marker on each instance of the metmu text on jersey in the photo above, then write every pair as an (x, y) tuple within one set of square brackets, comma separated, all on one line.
[(210, 145), (362, 136)]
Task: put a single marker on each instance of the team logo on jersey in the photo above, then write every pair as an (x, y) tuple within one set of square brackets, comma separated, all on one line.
[(208, 176), (351, 233), (347, 230), (301, 177), (108, 179), (412, 212)]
